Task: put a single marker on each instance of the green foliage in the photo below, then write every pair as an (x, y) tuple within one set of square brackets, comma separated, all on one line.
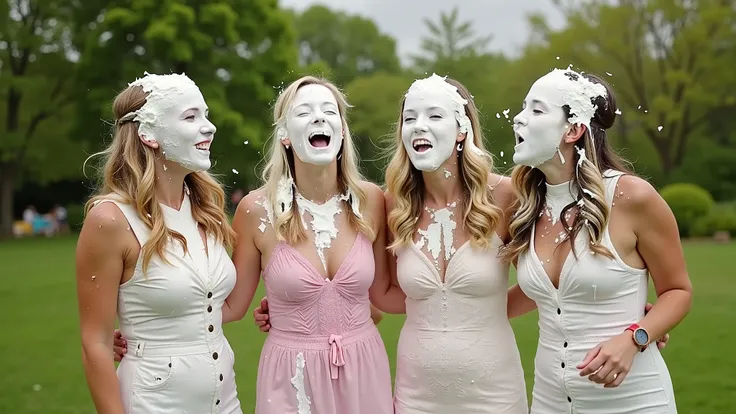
[(712, 167), (376, 105), (449, 39), (350, 45), (722, 217), (688, 202), (237, 51), (75, 216), (37, 41), (668, 60)]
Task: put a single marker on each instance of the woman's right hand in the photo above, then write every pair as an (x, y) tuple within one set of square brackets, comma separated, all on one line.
[(260, 316), (119, 346)]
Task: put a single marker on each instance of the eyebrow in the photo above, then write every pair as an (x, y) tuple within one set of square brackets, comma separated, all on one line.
[(321, 104)]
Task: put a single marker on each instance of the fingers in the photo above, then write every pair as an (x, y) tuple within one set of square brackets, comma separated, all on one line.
[(647, 308), (119, 341), (589, 357), (617, 381), (117, 334), (118, 352), (612, 376), (260, 318), (594, 365), (264, 304)]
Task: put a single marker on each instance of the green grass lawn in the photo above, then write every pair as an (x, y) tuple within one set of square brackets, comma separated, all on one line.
[(40, 348)]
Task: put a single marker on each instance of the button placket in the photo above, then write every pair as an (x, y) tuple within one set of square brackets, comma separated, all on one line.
[(210, 335)]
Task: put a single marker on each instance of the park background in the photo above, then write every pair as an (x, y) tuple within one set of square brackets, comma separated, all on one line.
[(671, 63)]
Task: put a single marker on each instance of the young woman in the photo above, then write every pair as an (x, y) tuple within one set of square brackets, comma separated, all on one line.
[(586, 233), (457, 352), (313, 227), (152, 252)]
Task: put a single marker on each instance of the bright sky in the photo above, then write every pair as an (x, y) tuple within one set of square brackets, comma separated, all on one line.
[(505, 20)]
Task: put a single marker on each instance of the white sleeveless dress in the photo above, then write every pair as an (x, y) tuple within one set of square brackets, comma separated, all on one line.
[(597, 299), (457, 352), (178, 359)]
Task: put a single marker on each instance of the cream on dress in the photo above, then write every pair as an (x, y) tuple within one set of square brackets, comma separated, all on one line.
[(597, 299), (178, 359), (457, 352)]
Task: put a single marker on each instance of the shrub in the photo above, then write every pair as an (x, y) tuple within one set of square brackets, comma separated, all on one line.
[(688, 202), (75, 216), (722, 217)]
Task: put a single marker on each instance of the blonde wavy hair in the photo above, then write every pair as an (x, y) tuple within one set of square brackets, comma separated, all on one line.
[(588, 179), (288, 224), (406, 185), (128, 176)]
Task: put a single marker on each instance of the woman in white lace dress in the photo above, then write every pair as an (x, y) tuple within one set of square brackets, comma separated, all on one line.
[(457, 352)]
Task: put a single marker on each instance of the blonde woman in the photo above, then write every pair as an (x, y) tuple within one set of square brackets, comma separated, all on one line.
[(586, 234), (152, 252), (456, 351), (313, 229)]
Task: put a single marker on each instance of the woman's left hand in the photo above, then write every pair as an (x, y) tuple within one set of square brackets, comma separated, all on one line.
[(609, 362)]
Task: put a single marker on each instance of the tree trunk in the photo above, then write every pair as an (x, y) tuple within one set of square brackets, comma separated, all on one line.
[(7, 190), (665, 154)]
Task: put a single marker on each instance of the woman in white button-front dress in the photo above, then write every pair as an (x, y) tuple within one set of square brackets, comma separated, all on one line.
[(152, 252), (593, 354)]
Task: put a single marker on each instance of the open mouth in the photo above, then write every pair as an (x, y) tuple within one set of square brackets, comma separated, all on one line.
[(421, 145), (203, 146), (519, 139), (319, 139)]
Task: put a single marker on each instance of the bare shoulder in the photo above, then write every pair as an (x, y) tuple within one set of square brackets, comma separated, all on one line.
[(637, 193), (503, 190), (374, 198), (105, 220), (371, 189), (251, 210), (105, 234), (253, 202)]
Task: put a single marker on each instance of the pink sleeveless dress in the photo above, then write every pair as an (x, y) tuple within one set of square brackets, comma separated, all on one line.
[(323, 354)]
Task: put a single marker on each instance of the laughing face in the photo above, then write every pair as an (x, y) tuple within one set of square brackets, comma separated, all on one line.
[(314, 125), (429, 129), (175, 117)]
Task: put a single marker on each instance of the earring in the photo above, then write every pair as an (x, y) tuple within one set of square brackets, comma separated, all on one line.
[(459, 147)]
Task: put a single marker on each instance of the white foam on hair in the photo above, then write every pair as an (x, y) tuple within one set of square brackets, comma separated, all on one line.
[(163, 93), (438, 83), (578, 94)]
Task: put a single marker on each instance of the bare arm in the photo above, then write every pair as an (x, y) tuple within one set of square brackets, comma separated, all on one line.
[(385, 293), (518, 303), (246, 257), (99, 268), (658, 243)]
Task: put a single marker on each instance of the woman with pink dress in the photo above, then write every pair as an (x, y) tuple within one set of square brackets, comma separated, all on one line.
[(313, 227)]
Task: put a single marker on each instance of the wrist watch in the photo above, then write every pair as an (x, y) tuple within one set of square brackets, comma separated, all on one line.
[(641, 336)]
